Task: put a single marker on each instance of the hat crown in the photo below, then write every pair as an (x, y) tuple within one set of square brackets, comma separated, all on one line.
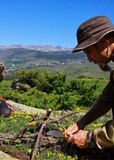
[(93, 27)]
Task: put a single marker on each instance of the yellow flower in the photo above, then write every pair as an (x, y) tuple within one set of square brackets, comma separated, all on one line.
[(77, 109), (33, 123), (60, 129), (60, 155), (27, 116), (29, 150), (69, 158)]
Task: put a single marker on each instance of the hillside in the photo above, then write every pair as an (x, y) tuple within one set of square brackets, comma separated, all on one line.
[(55, 59), (46, 52)]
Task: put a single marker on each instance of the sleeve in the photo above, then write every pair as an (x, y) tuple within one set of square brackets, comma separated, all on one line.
[(107, 95), (104, 136)]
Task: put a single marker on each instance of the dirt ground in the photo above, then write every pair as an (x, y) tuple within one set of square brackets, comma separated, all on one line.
[(14, 153)]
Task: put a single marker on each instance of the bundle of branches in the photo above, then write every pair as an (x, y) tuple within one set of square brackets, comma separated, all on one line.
[(39, 137), (41, 141)]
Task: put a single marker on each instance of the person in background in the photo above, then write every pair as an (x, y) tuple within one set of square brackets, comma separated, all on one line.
[(1, 72), (96, 38)]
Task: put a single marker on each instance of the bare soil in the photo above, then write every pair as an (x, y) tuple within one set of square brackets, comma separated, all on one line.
[(15, 153)]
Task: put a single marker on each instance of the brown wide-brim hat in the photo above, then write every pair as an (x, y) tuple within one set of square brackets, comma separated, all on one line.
[(91, 31)]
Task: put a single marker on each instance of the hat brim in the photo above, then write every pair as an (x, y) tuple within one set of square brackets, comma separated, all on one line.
[(91, 41)]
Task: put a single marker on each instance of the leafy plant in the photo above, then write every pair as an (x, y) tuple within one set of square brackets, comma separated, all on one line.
[(53, 91)]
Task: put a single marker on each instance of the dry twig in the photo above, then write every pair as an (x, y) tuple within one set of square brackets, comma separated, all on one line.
[(38, 135)]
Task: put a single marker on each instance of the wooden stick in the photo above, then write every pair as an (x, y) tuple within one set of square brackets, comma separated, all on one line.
[(39, 135)]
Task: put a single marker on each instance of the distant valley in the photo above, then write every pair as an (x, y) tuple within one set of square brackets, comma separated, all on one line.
[(47, 52), (55, 59)]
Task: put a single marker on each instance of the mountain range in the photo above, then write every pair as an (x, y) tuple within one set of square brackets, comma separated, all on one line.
[(45, 48), (56, 59), (11, 52)]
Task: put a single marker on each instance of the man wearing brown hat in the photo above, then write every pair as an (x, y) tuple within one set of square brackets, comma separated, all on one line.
[(96, 38)]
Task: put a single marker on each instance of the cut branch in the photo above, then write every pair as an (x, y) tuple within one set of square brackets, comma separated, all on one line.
[(39, 135)]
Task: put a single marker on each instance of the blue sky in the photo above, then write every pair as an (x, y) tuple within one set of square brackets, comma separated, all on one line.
[(47, 22)]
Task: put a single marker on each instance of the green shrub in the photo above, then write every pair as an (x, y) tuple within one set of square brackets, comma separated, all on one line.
[(53, 90)]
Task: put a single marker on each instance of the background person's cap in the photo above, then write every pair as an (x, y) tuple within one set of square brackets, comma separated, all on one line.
[(91, 31)]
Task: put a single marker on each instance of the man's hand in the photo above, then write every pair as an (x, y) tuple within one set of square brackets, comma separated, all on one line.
[(79, 138), (71, 130)]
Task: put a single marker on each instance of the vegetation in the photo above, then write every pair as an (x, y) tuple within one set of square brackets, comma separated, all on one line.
[(18, 120), (55, 91)]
